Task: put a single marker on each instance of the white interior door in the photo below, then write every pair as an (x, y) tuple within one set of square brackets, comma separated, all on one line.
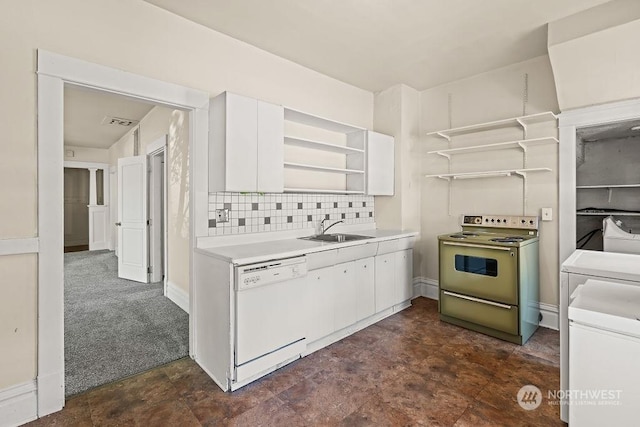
[(132, 218)]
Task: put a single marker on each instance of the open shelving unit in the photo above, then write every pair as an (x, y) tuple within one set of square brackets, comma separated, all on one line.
[(522, 122), (353, 151)]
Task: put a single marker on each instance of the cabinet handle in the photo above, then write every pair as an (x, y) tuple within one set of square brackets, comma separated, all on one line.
[(345, 271)]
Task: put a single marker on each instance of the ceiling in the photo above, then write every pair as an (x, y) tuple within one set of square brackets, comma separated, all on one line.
[(85, 111), (374, 44)]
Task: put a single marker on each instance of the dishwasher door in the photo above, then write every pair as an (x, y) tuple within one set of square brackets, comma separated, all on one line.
[(270, 312)]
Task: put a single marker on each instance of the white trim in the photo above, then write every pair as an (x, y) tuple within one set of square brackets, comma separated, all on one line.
[(85, 165), (568, 123), (157, 145), (19, 246), (18, 404), (54, 72), (549, 316), (425, 287), (178, 296)]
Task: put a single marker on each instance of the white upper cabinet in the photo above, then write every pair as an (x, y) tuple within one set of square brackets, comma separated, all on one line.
[(245, 144), (380, 164)]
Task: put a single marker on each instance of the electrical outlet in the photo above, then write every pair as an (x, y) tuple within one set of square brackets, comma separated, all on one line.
[(222, 215), (547, 214)]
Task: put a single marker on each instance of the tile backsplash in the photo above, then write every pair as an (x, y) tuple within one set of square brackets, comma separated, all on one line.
[(253, 213)]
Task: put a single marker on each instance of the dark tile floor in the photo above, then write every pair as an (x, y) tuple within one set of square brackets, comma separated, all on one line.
[(409, 369)]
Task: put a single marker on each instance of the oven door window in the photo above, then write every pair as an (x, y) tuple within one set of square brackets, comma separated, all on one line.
[(476, 265)]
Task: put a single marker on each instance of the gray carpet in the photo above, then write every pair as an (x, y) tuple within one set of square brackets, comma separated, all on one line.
[(114, 328)]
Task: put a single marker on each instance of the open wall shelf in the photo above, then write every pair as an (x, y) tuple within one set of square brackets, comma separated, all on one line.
[(322, 168), (522, 144), (316, 190), (487, 174), (521, 121), (318, 145)]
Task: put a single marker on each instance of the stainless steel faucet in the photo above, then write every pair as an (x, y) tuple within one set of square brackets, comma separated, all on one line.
[(324, 230)]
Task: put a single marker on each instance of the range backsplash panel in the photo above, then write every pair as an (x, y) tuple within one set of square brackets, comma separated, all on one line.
[(254, 213)]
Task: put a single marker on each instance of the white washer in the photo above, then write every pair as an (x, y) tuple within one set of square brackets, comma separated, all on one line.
[(615, 239), (604, 350), (576, 270)]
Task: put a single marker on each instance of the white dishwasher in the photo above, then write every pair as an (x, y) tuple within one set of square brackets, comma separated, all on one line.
[(269, 316), (604, 349)]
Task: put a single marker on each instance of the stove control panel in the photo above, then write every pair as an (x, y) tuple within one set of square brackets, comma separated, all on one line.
[(500, 221)]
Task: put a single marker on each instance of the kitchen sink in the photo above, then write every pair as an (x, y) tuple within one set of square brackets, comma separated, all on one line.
[(336, 237)]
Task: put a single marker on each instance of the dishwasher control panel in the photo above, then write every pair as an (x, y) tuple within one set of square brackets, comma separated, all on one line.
[(264, 273)]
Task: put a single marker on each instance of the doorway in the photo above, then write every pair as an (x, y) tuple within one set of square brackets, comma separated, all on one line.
[(76, 211), (118, 317), (54, 72)]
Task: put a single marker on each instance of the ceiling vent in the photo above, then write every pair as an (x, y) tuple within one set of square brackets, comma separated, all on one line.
[(118, 121)]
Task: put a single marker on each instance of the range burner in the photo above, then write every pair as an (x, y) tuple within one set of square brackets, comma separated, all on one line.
[(463, 235), (509, 239)]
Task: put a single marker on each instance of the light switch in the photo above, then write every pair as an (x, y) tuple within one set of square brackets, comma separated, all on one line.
[(547, 214)]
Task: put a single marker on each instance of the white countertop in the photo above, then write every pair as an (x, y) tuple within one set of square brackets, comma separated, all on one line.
[(604, 264), (249, 253)]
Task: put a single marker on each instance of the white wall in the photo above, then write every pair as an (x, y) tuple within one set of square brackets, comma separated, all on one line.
[(158, 45), (397, 113), (490, 96), (86, 154), (158, 122), (593, 54)]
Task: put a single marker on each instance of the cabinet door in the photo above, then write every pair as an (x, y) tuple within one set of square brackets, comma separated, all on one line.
[(384, 281), (365, 288), (233, 124), (241, 160), (404, 275), (345, 295), (380, 164), (270, 175), (321, 297)]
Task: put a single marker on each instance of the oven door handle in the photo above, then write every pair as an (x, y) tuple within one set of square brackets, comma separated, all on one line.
[(472, 245), (495, 304)]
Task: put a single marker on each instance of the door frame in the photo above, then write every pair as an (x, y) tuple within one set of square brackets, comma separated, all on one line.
[(54, 71), (154, 150)]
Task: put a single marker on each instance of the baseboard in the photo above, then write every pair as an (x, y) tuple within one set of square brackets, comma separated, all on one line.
[(18, 404), (549, 316), (428, 288), (425, 287), (178, 296)]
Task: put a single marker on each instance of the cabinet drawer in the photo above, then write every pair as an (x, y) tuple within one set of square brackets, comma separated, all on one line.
[(353, 253), (501, 317), (388, 246), (322, 259), (406, 243)]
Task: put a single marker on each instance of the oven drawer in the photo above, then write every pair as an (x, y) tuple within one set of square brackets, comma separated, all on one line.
[(486, 272), (501, 317)]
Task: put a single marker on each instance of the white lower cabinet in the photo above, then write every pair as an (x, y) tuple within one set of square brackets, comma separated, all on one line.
[(404, 276), (346, 295), (320, 303), (365, 288), (385, 280), (393, 278)]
